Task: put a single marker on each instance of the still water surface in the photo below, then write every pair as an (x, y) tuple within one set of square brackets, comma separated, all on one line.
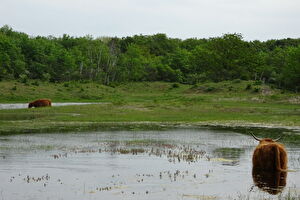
[(5, 106), (176, 164)]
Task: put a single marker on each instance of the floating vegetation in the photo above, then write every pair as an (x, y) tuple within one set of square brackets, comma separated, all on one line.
[(103, 188), (56, 156), (132, 165), (131, 151), (32, 179), (228, 152), (200, 197), (173, 153)]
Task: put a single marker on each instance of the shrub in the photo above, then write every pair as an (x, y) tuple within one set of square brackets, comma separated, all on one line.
[(14, 88), (195, 86), (23, 78), (36, 83), (236, 81), (175, 85), (46, 77), (113, 84), (256, 89), (274, 97), (248, 87), (210, 89), (258, 82)]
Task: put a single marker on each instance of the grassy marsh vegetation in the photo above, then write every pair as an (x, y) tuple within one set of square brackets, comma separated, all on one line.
[(147, 105)]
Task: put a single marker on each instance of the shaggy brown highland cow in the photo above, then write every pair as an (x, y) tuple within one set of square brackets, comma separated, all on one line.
[(269, 155), (40, 103)]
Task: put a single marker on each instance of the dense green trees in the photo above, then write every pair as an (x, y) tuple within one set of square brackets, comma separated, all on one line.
[(149, 58), (291, 69), (12, 62)]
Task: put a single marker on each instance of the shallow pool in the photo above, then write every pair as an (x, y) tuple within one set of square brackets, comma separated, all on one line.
[(175, 164), (25, 105)]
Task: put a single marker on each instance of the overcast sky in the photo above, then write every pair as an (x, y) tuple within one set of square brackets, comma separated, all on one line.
[(254, 19)]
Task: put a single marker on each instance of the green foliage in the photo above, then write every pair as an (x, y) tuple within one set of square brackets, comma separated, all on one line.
[(175, 85), (249, 87), (133, 64), (23, 78), (291, 69), (256, 89), (210, 89), (148, 58), (35, 83), (145, 103), (258, 83), (236, 81)]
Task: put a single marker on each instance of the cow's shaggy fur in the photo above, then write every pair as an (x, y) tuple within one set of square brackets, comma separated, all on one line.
[(40, 103), (269, 155)]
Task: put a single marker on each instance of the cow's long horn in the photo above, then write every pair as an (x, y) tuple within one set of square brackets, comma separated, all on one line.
[(277, 138), (258, 139)]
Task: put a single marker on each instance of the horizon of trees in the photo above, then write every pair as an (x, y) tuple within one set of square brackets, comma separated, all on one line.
[(149, 58)]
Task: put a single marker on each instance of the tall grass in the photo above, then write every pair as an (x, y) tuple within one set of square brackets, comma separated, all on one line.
[(229, 103)]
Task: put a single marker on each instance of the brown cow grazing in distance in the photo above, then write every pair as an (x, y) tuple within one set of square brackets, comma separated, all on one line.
[(40, 103), (269, 155)]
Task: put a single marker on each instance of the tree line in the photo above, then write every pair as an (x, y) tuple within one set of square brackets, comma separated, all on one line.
[(156, 57)]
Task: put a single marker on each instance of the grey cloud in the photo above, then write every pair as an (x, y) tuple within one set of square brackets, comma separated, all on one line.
[(256, 19)]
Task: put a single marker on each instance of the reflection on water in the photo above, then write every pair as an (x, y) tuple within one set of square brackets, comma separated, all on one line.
[(177, 164), (271, 182), (229, 152), (229, 156)]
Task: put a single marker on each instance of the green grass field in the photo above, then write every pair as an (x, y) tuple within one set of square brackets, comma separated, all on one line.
[(147, 105)]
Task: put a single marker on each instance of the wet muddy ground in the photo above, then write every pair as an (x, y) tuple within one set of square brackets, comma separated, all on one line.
[(177, 164)]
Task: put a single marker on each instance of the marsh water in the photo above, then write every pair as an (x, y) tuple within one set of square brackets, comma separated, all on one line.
[(174, 164), (25, 105)]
